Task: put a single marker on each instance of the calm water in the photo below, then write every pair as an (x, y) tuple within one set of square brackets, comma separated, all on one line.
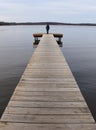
[(79, 48)]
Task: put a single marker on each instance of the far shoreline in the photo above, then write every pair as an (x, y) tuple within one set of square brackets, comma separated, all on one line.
[(44, 23)]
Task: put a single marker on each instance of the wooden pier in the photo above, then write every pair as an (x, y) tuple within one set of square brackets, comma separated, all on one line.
[(47, 96)]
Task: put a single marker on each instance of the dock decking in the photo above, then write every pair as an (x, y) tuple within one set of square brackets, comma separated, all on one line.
[(47, 96)]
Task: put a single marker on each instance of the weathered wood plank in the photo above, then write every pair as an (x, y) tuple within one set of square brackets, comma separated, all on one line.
[(47, 67), (48, 93), (32, 104), (27, 85), (46, 89), (49, 74), (54, 71), (27, 126), (51, 119), (47, 98), (50, 111), (48, 80)]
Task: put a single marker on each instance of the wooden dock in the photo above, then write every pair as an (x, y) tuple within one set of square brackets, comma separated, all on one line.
[(47, 96)]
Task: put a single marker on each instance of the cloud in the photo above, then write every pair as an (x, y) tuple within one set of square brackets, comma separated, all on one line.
[(47, 10)]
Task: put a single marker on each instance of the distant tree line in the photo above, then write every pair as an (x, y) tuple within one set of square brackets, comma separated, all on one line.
[(44, 23), (7, 23)]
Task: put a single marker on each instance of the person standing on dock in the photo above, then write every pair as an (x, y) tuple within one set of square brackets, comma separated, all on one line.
[(47, 28)]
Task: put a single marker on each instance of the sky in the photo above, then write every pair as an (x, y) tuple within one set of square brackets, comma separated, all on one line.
[(66, 11)]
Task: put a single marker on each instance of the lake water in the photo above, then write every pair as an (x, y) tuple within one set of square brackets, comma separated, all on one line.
[(79, 48)]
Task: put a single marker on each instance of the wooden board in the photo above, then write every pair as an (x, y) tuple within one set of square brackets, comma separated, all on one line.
[(29, 126)]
